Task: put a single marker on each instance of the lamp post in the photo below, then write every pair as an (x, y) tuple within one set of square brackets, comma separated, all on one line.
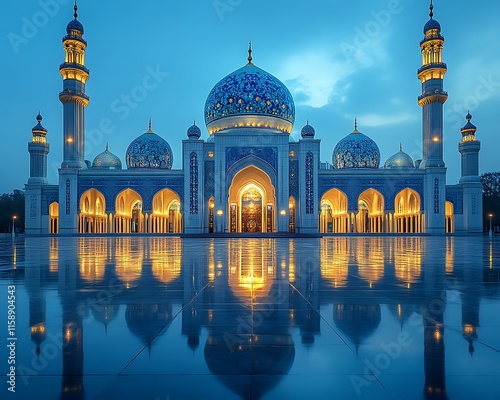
[(14, 217), (491, 232)]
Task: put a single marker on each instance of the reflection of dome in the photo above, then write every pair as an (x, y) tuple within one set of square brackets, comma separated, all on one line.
[(357, 321), (105, 313), (399, 160), (146, 321), (106, 160), (234, 365), (356, 150), (249, 97), (307, 131), (149, 151)]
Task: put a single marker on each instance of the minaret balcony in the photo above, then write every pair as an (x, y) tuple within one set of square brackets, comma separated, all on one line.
[(71, 37), (430, 66), (74, 66)]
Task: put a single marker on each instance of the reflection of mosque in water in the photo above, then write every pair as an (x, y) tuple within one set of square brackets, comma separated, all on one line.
[(221, 292)]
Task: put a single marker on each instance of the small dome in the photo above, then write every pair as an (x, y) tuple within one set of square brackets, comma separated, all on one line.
[(356, 150), (249, 97), (75, 25), (399, 160), (149, 151), (194, 132), (432, 24), (38, 127), (469, 127), (106, 160), (307, 131)]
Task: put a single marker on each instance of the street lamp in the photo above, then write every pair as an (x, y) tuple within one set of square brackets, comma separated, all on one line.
[(14, 217), (490, 216)]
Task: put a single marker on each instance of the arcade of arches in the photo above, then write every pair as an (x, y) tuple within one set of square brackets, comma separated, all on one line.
[(371, 215), (129, 216)]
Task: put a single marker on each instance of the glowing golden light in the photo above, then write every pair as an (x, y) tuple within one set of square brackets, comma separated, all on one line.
[(220, 212), (468, 329), (283, 212), (70, 140), (435, 139), (437, 335)]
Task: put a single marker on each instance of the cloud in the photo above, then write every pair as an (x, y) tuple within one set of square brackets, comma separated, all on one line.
[(374, 120)]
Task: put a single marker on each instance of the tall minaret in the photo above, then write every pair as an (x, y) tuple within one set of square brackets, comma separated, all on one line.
[(469, 149), (471, 184), (73, 96), (74, 101), (431, 74), (38, 149)]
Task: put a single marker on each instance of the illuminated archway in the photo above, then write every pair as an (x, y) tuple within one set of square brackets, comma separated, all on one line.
[(291, 214), (370, 217), (450, 217), (211, 214), (334, 217), (54, 217), (129, 217), (166, 216), (93, 217), (252, 202), (407, 216)]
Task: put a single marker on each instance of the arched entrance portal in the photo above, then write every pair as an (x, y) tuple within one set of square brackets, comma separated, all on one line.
[(370, 216), (334, 217), (252, 202), (166, 216), (129, 217)]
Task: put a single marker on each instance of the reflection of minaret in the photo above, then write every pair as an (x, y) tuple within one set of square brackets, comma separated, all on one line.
[(72, 326), (37, 304), (432, 308)]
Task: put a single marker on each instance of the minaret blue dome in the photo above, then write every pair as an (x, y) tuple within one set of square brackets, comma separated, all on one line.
[(249, 97), (432, 24), (194, 132), (149, 151), (307, 131), (356, 150), (75, 24), (106, 160), (399, 160)]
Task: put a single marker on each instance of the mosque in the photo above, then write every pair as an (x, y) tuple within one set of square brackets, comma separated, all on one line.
[(249, 175)]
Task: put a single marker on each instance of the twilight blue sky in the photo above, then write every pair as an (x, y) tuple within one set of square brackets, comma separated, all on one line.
[(339, 59)]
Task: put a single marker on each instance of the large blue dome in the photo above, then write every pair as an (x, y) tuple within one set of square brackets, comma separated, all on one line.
[(356, 150), (149, 151), (249, 97)]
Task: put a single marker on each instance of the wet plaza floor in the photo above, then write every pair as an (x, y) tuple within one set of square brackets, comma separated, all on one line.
[(164, 318)]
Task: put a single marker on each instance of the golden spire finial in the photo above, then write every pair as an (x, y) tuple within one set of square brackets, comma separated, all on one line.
[(76, 10), (355, 124), (250, 52), (150, 130), (106, 146), (400, 147), (431, 7)]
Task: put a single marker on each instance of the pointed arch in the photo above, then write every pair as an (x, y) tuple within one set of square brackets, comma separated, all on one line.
[(92, 217), (166, 216), (54, 217), (334, 217), (128, 216), (407, 215), (450, 217), (371, 214)]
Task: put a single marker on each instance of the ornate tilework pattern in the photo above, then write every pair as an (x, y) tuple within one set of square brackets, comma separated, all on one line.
[(356, 150), (193, 183), (457, 199), (49, 195), (309, 183), (249, 90), (149, 151), (436, 196), (209, 179), (294, 178), (68, 197), (267, 154), (474, 204)]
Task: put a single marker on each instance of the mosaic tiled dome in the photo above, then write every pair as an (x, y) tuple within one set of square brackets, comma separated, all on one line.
[(356, 150), (432, 24), (249, 97), (399, 160), (149, 151), (106, 160)]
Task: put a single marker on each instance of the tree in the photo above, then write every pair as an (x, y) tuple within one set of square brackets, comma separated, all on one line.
[(491, 198), (12, 204)]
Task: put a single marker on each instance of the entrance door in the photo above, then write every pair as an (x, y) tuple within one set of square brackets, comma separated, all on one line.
[(251, 210)]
